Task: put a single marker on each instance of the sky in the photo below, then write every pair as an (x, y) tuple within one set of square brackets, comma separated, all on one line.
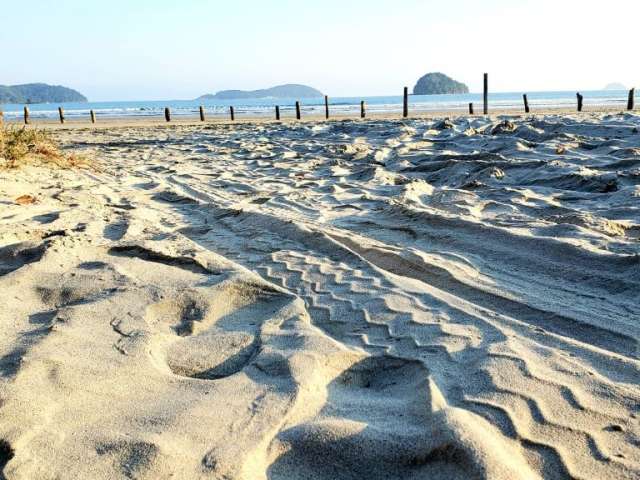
[(181, 49)]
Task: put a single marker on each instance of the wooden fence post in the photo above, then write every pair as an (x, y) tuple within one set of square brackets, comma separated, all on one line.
[(580, 100), (363, 107), (1, 117), (61, 114), (93, 116), (326, 107), (167, 114), (202, 118), (485, 95), (298, 110), (26, 115), (471, 108), (526, 103), (232, 112), (405, 103), (631, 101), (277, 112)]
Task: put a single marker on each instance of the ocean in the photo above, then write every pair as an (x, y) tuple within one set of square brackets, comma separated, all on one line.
[(339, 105)]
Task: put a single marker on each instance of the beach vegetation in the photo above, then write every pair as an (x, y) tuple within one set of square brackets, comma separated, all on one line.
[(21, 146)]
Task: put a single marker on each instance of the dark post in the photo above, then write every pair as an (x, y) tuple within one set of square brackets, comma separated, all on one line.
[(580, 99), (26, 115), (363, 107), (277, 112), (167, 114), (93, 116), (486, 94), (471, 108), (405, 103), (526, 103), (232, 113), (326, 107), (298, 110), (631, 101), (61, 114), (1, 117), (202, 113)]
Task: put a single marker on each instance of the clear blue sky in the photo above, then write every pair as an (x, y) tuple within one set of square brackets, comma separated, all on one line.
[(161, 49)]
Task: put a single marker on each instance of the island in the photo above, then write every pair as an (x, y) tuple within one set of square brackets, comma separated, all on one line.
[(437, 83), (39, 93), (615, 86), (280, 91)]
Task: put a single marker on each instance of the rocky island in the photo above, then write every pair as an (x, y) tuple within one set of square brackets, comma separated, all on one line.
[(280, 91), (437, 83), (39, 93), (615, 86)]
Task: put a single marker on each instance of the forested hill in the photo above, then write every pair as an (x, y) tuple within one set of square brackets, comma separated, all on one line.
[(39, 93)]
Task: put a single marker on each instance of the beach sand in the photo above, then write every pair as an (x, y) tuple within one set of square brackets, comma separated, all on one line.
[(380, 299)]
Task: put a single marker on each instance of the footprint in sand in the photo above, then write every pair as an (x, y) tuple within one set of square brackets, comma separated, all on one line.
[(117, 230), (385, 419), (46, 218), (212, 332), (14, 256)]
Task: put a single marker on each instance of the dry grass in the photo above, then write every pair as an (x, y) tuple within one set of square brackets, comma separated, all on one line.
[(21, 146)]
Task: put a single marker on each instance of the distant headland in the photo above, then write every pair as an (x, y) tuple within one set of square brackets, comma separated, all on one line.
[(280, 91), (39, 93), (437, 83)]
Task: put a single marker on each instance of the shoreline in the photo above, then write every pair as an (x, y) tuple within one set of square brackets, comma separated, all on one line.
[(194, 120)]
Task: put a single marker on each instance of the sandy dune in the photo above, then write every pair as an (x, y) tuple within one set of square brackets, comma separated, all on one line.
[(422, 299)]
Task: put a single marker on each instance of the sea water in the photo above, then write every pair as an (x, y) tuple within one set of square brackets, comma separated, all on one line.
[(338, 105)]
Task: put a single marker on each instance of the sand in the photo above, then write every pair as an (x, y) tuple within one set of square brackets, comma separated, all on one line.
[(419, 299)]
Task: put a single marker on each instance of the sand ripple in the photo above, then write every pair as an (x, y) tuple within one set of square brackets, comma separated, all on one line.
[(381, 299)]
